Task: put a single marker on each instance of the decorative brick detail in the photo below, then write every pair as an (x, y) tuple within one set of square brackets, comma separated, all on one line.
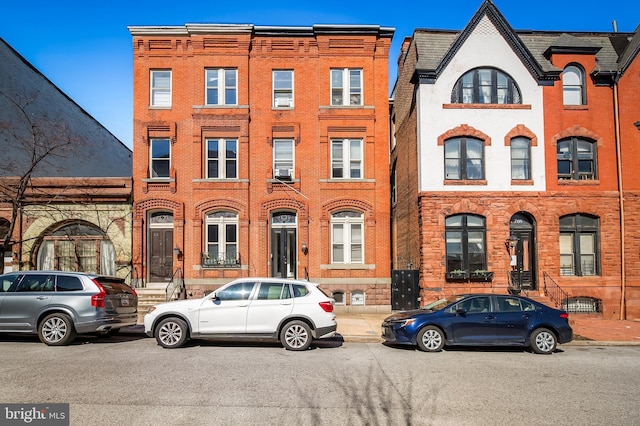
[(464, 130), (343, 204), (140, 209), (284, 204), (227, 204)]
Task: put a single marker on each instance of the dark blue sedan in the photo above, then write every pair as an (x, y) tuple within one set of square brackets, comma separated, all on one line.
[(480, 320)]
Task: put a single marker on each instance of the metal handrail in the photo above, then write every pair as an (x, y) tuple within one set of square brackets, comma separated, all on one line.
[(176, 284), (554, 291)]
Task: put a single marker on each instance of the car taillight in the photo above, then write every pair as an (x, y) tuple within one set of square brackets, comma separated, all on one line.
[(135, 293), (97, 300), (564, 315), (326, 306)]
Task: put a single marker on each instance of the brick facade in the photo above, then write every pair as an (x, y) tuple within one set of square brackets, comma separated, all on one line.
[(311, 123)]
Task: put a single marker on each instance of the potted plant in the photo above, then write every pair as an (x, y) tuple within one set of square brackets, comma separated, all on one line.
[(482, 275), (457, 274)]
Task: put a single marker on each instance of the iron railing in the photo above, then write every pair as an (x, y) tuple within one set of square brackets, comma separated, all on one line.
[(221, 260), (175, 288), (554, 292)]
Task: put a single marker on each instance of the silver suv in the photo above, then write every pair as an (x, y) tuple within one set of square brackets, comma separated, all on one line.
[(58, 305)]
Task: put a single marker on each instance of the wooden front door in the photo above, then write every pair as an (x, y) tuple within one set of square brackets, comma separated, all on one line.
[(161, 254)]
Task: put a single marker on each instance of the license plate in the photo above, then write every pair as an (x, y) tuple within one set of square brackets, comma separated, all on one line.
[(124, 302)]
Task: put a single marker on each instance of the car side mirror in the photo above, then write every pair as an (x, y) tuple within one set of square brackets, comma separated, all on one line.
[(461, 311)]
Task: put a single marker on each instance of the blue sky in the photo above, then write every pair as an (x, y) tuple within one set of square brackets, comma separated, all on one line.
[(87, 52)]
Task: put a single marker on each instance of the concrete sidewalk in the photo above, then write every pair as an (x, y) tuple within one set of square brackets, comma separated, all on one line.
[(588, 329)]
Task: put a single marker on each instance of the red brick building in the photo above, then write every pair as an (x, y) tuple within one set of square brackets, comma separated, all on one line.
[(506, 158), (262, 151)]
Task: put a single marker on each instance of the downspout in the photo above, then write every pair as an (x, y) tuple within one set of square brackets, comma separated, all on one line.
[(623, 276)]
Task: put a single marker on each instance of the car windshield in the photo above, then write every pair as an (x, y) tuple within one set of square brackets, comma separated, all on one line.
[(440, 304)]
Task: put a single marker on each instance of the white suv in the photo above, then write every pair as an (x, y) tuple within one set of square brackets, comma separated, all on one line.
[(294, 312)]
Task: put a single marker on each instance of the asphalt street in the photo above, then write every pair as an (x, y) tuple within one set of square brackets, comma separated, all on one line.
[(129, 380)]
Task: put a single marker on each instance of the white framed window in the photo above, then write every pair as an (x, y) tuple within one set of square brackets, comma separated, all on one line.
[(283, 159), (346, 86), (520, 158), (283, 88), (160, 88), (347, 239), (346, 159), (357, 298), (160, 161), (573, 86), (221, 239), (221, 158), (221, 86)]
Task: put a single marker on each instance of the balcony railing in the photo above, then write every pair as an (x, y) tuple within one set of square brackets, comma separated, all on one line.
[(221, 260)]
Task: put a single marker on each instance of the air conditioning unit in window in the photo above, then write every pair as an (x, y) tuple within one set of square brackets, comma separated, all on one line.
[(284, 174), (283, 102)]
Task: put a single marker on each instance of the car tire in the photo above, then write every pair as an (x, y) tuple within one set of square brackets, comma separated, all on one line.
[(430, 339), (543, 341), (56, 330), (296, 336), (172, 333)]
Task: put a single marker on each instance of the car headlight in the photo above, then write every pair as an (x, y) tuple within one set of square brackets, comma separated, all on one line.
[(404, 322), (151, 309)]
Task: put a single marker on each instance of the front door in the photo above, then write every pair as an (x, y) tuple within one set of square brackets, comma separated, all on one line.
[(160, 247), (523, 275), (283, 245)]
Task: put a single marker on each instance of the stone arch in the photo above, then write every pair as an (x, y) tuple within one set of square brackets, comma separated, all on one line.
[(520, 130), (577, 131), (464, 130)]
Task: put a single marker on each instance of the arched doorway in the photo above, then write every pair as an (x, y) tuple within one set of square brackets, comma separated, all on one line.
[(284, 244), (523, 261), (160, 250)]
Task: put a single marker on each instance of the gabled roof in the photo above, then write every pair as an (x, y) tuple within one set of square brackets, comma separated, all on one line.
[(431, 63), (98, 153), (613, 51)]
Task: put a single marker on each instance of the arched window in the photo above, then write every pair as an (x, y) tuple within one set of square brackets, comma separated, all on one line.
[(79, 247), (579, 245), (485, 86), (465, 242), (358, 298), (338, 296), (347, 239), (463, 159), (221, 239), (576, 159), (573, 86)]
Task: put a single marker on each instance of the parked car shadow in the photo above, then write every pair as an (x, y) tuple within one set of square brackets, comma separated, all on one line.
[(127, 334), (330, 343), (514, 349)]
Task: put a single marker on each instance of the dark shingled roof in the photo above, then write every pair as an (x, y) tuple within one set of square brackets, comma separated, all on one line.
[(96, 152)]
